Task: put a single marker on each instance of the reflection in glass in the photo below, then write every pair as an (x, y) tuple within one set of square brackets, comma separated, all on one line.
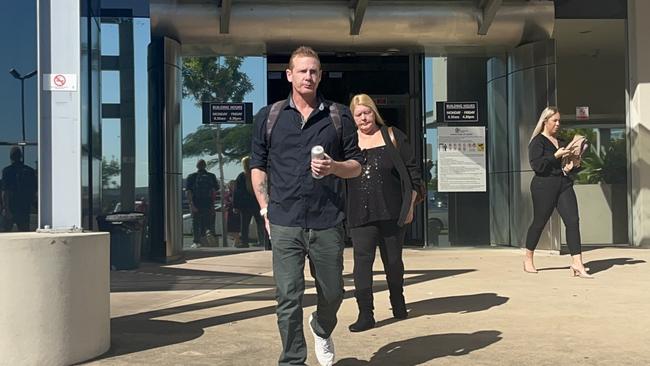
[(591, 73), (111, 169), (110, 39), (18, 101), (435, 79), (110, 86), (601, 185), (218, 79)]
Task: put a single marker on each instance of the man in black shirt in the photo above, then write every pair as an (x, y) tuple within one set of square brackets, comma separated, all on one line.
[(18, 191), (304, 215), (202, 188)]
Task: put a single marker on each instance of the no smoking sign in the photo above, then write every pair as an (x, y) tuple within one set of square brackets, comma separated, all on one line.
[(60, 82)]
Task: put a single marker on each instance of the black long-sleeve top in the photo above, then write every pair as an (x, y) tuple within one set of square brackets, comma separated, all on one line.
[(541, 153), (296, 199), (384, 183), (376, 194)]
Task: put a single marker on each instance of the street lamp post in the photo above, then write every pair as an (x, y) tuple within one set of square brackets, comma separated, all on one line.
[(22, 78)]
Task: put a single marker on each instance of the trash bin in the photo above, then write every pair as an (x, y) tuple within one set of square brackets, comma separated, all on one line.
[(126, 237)]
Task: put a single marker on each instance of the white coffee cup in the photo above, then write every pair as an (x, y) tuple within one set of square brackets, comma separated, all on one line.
[(317, 152)]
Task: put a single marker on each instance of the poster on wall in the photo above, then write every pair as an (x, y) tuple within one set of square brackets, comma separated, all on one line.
[(461, 159)]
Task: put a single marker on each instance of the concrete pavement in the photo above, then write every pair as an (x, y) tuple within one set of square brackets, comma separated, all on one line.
[(466, 307)]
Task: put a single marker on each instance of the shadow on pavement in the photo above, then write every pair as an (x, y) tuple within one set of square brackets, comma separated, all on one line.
[(605, 264), (419, 350), (452, 304), (138, 332), (600, 265), (174, 279), (210, 252), (134, 334)]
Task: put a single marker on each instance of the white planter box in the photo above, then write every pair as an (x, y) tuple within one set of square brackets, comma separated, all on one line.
[(603, 213)]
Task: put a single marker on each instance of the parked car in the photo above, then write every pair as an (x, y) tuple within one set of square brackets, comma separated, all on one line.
[(437, 212)]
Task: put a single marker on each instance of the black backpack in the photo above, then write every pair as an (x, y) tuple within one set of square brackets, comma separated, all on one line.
[(274, 113)]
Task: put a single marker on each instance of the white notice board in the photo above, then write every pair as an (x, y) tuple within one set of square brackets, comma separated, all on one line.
[(461, 159)]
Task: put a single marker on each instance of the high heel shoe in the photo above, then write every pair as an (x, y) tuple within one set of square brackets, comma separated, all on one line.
[(527, 271), (575, 272)]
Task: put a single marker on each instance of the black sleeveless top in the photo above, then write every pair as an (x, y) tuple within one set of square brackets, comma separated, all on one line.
[(376, 194)]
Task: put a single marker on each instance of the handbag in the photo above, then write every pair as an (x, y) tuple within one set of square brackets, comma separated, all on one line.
[(421, 190), (577, 148)]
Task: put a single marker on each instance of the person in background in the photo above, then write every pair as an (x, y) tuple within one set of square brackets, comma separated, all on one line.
[(233, 219), (245, 202), (19, 189), (202, 188), (380, 202), (551, 188)]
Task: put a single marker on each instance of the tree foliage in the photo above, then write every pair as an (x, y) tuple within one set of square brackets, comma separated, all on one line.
[(607, 166), (236, 143), (216, 79), (110, 170)]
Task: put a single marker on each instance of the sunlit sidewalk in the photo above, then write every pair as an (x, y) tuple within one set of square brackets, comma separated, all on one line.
[(466, 307)]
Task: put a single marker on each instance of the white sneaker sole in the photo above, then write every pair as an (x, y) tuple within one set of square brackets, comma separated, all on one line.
[(321, 362)]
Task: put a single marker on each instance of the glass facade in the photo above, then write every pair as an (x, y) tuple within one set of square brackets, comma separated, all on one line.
[(222, 146), (591, 82), (124, 114), (91, 167), (454, 217), (18, 102), (591, 75)]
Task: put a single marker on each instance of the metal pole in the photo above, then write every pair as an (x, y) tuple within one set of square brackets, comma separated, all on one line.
[(222, 187), (22, 112)]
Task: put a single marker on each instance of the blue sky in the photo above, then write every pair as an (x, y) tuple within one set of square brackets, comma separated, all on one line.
[(18, 32)]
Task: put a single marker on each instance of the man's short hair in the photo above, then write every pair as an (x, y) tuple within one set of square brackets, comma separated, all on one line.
[(201, 164), (303, 51), (16, 154)]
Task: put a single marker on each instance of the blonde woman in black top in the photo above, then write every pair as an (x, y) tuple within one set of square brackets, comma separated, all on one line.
[(379, 203), (552, 187)]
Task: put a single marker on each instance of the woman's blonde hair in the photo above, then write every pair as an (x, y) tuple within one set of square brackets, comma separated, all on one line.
[(246, 163), (365, 100), (543, 117)]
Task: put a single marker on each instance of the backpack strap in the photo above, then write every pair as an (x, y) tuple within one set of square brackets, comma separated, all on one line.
[(274, 113), (277, 107)]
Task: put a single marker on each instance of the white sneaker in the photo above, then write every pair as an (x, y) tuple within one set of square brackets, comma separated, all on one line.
[(195, 245), (324, 348)]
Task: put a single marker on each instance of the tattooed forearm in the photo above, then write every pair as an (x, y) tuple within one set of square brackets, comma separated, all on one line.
[(263, 190), (260, 185)]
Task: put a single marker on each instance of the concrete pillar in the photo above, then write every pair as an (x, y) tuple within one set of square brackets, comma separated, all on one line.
[(498, 151), (165, 149), (55, 298), (639, 121), (59, 114)]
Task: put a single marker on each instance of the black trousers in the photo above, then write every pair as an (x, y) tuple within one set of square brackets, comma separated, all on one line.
[(365, 239), (549, 193), (202, 221), (246, 216)]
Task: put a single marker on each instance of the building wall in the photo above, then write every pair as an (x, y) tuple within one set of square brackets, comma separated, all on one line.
[(639, 120)]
